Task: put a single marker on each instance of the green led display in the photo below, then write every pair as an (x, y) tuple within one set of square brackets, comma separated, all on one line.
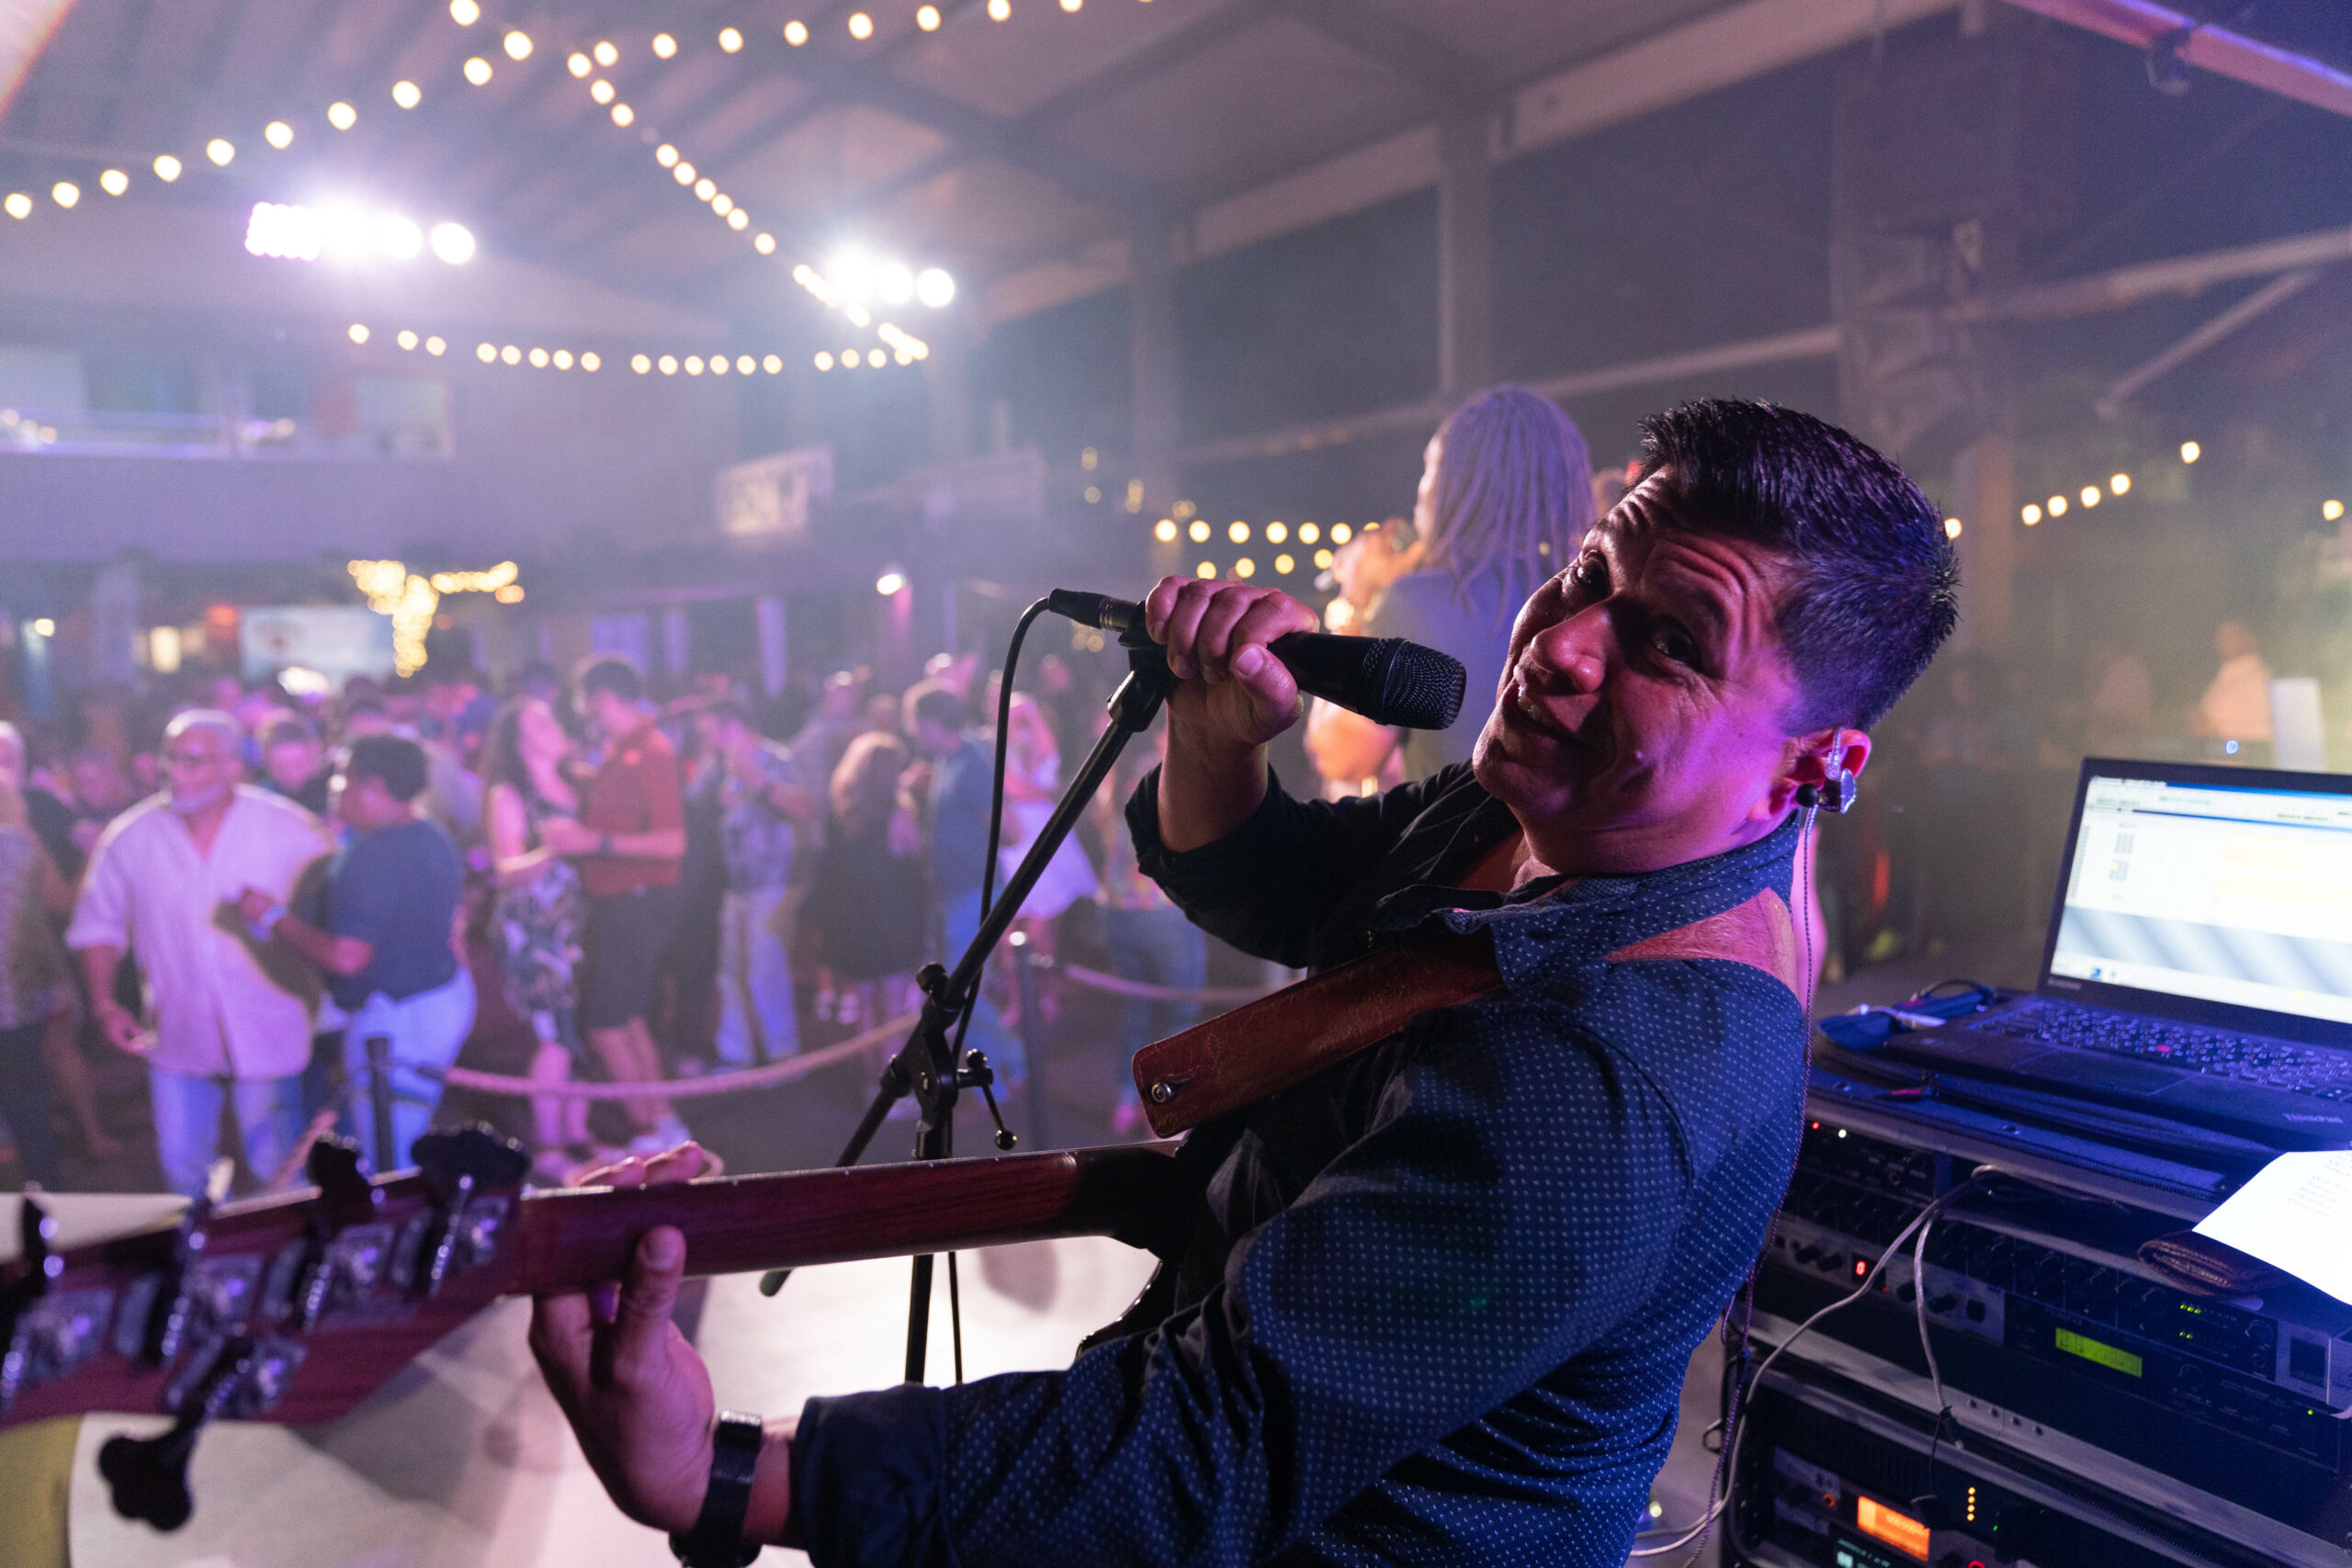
[(2105, 1355)]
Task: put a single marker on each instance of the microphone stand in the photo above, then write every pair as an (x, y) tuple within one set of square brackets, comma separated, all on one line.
[(926, 1065)]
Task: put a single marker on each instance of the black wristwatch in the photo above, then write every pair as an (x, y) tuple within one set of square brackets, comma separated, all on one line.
[(716, 1540)]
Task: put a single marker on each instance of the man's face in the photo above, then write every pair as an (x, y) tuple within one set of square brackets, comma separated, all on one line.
[(199, 768), (1644, 708), (611, 717), (292, 763), (364, 802)]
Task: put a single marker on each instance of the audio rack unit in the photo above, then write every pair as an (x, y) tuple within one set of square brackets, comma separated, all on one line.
[(2050, 1335), (1830, 1476)]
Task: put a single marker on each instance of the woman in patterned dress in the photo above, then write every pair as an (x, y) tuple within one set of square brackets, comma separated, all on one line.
[(537, 914)]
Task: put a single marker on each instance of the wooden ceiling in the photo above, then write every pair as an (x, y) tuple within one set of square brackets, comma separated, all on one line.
[(984, 146)]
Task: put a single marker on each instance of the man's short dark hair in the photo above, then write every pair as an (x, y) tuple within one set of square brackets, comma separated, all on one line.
[(609, 672), (937, 701), (1876, 588), (396, 762)]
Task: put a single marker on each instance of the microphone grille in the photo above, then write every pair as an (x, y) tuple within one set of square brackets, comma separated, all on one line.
[(1422, 688)]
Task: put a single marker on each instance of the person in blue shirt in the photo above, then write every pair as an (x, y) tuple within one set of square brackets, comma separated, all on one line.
[(1433, 1304), (384, 929)]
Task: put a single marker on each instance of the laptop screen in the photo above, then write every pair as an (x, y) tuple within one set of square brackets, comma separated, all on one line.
[(2211, 891)]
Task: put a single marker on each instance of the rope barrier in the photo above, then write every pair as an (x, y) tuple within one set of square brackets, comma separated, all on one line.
[(790, 1070), (1094, 979)]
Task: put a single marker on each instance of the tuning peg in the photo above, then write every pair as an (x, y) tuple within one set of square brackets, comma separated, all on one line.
[(474, 1156), (148, 1477)]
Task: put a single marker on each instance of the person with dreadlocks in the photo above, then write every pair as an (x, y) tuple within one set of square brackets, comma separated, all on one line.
[(1505, 499)]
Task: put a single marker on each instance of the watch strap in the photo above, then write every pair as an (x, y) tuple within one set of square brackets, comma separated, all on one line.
[(716, 1539)]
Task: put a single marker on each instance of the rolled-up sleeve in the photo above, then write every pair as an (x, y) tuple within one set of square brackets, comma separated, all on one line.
[(1511, 1205), (1271, 883), (102, 906)]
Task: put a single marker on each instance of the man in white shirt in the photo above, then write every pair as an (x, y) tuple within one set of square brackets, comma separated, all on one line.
[(157, 883)]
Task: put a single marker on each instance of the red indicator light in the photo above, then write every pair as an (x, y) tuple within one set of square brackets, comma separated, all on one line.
[(1861, 1269)]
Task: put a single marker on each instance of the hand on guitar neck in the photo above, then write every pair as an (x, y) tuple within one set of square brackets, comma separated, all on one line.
[(638, 1397)]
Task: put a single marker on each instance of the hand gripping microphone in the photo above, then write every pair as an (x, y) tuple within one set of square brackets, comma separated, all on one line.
[(1387, 679)]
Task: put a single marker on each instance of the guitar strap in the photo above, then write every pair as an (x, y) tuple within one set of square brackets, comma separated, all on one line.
[(1267, 1045)]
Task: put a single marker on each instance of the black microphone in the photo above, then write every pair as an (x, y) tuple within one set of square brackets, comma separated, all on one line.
[(1387, 679)]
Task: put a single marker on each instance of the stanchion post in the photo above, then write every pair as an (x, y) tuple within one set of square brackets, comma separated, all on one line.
[(1024, 981), (380, 1097)]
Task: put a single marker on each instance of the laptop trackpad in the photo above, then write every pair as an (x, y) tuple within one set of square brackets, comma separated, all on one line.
[(2088, 1071)]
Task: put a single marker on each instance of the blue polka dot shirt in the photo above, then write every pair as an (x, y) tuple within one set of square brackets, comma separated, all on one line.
[(1435, 1302)]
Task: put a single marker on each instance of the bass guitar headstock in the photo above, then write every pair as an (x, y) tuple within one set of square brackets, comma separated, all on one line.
[(291, 1307)]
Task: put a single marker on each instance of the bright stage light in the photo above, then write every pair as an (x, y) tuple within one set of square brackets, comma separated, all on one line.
[(718, 365), (824, 360), (795, 33), (892, 581), (722, 204), (763, 243), (453, 242), (167, 168), (729, 40), (406, 339), (1339, 533), (407, 95), (220, 151), (477, 72), (114, 181), (279, 134), (602, 91), (667, 365), (1239, 532), (999, 10), (358, 332), (894, 283), (436, 347), (623, 114), (518, 46), (1308, 533), (342, 116), (745, 365), (694, 364), (860, 26), (2091, 496), (935, 288), (2055, 506), (465, 13), (65, 193), (664, 46), (1276, 532), (927, 18), (605, 53), (397, 237)]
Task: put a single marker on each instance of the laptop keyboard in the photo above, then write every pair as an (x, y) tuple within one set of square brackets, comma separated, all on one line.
[(2302, 1069)]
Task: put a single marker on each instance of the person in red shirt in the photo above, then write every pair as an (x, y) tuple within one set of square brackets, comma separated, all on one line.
[(628, 841)]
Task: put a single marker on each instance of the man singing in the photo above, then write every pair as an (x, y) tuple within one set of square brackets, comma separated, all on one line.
[(1435, 1301)]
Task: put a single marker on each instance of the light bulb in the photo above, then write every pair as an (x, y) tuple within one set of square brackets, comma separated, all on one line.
[(1951, 527), (2032, 515), (763, 243), (664, 46), (342, 116), (623, 114), (279, 134), (824, 361), (1245, 566), (605, 53), (729, 40), (465, 13), (2091, 495), (2191, 451), (407, 95), (538, 359), (436, 347), (487, 353), (220, 151), (641, 363), (65, 193), (1199, 531), (358, 332), (114, 181), (772, 363), (666, 155), (935, 287), (579, 65), (795, 33), (705, 189), (167, 168), (1206, 569), (684, 173), (739, 219), (2331, 510), (876, 359), (510, 355), (722, 204), (602, 91), (2120, 485), (999, 10), (927, 18), (694, 364), (453, 242), (1165, 531), (406, 339), (477, 72), (592, 362), (518, 46), (1239, 533), (860, 26)]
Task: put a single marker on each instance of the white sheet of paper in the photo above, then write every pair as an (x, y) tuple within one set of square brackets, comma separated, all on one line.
[(2296, 1215)]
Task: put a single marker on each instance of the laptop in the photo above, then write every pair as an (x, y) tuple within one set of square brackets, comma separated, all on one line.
[(2198, 963)]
